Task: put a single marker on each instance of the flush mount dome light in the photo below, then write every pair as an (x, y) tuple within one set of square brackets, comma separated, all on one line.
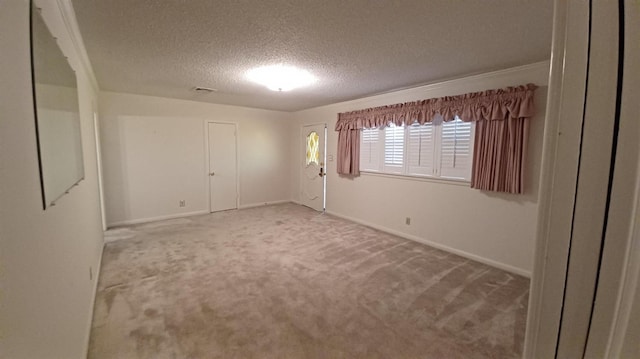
[(281, 77)]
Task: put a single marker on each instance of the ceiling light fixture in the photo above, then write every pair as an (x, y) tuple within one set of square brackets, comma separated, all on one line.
[(281, 77)]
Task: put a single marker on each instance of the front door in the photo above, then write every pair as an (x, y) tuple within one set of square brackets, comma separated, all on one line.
[(313, 169), (222, 166)]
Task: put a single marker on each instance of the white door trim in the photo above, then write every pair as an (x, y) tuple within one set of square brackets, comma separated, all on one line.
[(326, 173), (207, 157), (96, 129), (565, 104), (627, 305)]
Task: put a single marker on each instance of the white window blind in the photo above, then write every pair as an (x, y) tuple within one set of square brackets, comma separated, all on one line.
[(370, 149), (394, 148), (455, 149), (420, 149), (436, 149)]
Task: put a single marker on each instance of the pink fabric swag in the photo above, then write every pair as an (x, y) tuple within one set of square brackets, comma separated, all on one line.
[(501, 134)]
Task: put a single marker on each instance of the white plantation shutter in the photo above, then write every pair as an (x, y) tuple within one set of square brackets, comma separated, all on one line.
[(435, 149), (420, 149), (370, 149), (456, 148), (394, 148)]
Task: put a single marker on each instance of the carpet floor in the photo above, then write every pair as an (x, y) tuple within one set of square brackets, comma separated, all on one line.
[(284, 281)]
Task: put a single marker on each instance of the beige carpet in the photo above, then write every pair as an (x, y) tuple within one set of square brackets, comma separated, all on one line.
[(286, 282)]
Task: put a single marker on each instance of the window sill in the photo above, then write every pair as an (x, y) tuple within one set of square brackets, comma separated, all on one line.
[(449, 181)]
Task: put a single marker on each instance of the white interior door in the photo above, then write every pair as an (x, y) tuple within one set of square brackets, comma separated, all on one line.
[(223, 172), (588, 209), (313, 170)]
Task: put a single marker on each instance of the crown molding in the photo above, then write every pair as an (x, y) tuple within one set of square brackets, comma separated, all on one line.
[(68, 16)]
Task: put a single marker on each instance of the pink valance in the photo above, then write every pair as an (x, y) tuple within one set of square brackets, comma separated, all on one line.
[(511, 102), (501, 133)]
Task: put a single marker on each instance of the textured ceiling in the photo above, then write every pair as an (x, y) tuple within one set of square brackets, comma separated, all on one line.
[(354, 47)]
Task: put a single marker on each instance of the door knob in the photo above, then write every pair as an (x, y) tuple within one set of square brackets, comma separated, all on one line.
[(212, 174)]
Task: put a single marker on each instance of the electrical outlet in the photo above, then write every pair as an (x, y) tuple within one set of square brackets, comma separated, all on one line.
[(183, 203), (407, 221)]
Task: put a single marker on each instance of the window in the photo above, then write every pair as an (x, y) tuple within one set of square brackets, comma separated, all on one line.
[(313, 150), (455, 149), (436, 149), (370, 149), (420, 149), (393, 148)]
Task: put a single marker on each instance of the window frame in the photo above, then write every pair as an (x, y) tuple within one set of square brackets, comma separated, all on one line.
[(436, 176)]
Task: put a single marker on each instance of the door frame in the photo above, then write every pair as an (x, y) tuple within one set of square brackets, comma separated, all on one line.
[(324, 161), (571, 103), (207, 158), (99, 169), (558, 176)]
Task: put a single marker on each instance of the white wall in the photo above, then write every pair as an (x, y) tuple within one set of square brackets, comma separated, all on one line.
[(46, 295), (495, 228), (154, 155)]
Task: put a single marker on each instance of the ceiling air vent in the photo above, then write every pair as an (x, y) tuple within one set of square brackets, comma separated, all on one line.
[(203, 90)]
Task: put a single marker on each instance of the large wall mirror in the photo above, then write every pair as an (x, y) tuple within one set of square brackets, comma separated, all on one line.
[(55, 93)]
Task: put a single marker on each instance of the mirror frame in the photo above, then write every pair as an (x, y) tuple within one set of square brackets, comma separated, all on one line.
[(53, 177)]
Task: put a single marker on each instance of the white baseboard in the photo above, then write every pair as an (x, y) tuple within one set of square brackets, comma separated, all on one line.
[(96, 277), (253, 205), (155, 219), (475, 257), (187, 214)]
